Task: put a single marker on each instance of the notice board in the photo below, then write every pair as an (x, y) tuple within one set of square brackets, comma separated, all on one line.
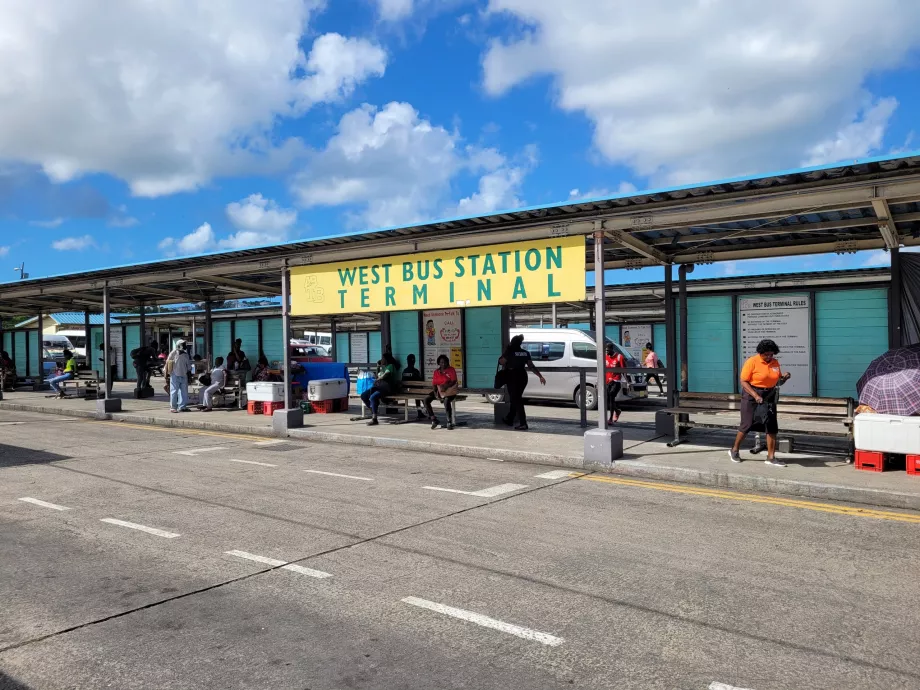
[(786, 320), (442, 334)]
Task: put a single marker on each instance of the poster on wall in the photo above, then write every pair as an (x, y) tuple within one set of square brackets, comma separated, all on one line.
[(358, 348), (634, 337), (442, 334), (786, 320)]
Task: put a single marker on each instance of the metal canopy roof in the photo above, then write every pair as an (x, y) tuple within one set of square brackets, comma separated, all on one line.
[(867, 204)]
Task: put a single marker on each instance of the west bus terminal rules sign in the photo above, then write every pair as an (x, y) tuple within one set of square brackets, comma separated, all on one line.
[(784, 319), (534, 272)]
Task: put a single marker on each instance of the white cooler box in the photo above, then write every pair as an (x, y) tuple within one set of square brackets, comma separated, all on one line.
[(265, 391), (887, 433), (327, 389)]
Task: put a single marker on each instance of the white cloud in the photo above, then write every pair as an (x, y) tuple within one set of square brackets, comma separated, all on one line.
[(4, 251), (396, 168), (199, 241), (394, 10), (73, 244), (602, 193), (258, 214), (261, 222), (858, 139), (683, 92), (882, 258), (53, 223), (164, 95)]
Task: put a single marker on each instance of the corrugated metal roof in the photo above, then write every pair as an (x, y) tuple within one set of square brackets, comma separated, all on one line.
[(69, 318)]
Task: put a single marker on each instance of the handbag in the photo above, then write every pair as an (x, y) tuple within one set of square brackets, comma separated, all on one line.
[(451, 391), (205, 379), (501, 377)]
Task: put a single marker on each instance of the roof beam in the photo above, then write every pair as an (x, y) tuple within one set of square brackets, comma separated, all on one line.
[(886, 223), (161, 292), (638, 246), (239, 285)]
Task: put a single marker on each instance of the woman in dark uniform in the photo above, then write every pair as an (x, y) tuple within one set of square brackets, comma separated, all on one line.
[(516, 361)]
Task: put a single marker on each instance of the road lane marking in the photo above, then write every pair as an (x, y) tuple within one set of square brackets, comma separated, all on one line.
[(253, 462), (557, 474), (197, 451), (343, 476), (268, 443), (43, 504), (141, 528), (490, 492), (10, 423), (284, 565), (723, 686), (755, 498), (486, 622)]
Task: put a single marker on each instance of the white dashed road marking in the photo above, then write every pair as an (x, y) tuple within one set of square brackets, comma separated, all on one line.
[(253, 462), (486, 622), (196, 451), (723, 686), (491, 492), (10, 423), (555, 474), (343, 476), (141, 528), (275, 562), (268, 443), (43, 504)]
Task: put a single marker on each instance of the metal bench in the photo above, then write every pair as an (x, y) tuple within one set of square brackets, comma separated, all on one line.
[(808, 409), (87, 380), (419, 390)]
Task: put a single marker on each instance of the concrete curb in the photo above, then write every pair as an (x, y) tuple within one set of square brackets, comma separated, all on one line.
[(625, 468)]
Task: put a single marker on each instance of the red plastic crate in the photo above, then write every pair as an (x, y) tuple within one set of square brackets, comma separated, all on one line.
[(341, 405), (323, 406), (254, 407), (268, 408), (913, 464), (871, 461)]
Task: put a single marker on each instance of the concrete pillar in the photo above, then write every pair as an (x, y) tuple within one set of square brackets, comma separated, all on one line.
[(208, 334), (142, 326), (109, 403), (41, 352), (288, 418), (195, 336), (87, 333), (670, 337), (684, 348), (894, 306), (333, 331), (555, 321)]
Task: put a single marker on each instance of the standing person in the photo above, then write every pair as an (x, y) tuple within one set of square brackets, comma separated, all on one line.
[(445, 389), (236, 356), (70, 371), (614, 382), (652, 362), (410, 373), (142, 358), (7, 372), (218, 379), (760, 378), (179, 366), (517, 361), (383, 385)]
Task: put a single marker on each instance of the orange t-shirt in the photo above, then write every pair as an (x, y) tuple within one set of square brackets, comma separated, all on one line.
[(760, 374)]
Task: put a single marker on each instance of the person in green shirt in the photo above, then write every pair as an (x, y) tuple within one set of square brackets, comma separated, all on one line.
[(383, 386), (70, 371)]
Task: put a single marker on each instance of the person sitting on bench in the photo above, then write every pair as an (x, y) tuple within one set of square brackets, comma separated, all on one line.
[(70, 371), (386, 373), (218, 379), (445, 389), (7, 372), (410, 373)]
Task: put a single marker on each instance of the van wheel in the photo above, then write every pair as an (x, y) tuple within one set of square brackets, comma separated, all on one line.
[(590, 398), (495, 398)]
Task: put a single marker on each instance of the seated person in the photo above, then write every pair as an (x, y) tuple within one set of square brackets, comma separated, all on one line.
[(7, 372), (410, 373), (445, 389), (218, 380), (263, 372), (383, 386), (70, 371)]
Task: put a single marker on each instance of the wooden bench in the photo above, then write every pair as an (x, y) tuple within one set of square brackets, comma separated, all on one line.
[(86, 379), (410, 391), (807, 409)]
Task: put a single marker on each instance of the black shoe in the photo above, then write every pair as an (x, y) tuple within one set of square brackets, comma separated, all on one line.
[(373, 422), (507, 422), (434, 423), (521, 427), (450, 427)]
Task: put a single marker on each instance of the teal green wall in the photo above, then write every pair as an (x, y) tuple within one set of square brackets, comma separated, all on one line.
[(710, 344), (375, 347), (342, 348), (132, 341), (35, 354), (20, 339), (404, 336), (247, 330), (220, 339), (660, 341), (8, 342), (852, 330), (483, 345), (96, 336), (272, 347)]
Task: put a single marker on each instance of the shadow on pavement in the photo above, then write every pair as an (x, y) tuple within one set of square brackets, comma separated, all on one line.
[(12, 456), (10, 683)]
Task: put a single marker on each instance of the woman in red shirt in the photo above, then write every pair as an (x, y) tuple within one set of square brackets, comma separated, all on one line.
[(613, 359), (445, 389)]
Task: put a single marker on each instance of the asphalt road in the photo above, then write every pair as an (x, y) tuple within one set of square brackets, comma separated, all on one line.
[(158, 558)]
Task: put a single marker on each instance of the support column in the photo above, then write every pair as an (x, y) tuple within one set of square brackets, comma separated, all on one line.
[(87, 335), (684, 347), (385, 336), (555, 322), (40, 379), (109, 403), (142, 326), (894, 307), (195, 336), (670, 337), (288, 418), (208, 334), (332, 348), (602, 445)]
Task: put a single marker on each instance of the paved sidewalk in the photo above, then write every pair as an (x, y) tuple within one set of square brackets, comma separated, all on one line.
[(555, 439)]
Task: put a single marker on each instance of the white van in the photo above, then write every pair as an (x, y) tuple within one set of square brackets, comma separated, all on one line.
[(570, 347), (56, 342)]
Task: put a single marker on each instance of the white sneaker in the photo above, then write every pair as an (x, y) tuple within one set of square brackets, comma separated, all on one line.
[(774, 462), (735, 457)]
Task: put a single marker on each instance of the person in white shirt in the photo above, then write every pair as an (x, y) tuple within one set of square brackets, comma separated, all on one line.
[(178, 365), (218, 379)]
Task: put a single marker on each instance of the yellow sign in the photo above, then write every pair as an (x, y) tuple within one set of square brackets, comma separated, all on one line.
[(540, 271)]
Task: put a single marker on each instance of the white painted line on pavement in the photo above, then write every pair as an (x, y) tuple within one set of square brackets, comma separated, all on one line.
[(141, 528), (491, 492), (275, 562), (723, 686), (486, 622), (268, 443), (43, 504), (555, 474), (343, 476), (253, 462), (196, 451), (10, 423)]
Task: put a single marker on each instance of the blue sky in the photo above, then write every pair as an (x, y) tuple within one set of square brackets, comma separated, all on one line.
[(155, 131)]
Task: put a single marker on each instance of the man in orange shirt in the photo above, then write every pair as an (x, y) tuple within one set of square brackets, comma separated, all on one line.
[(760, 377)]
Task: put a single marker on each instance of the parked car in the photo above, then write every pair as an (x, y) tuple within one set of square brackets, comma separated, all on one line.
[(570, 347), (303, 351)]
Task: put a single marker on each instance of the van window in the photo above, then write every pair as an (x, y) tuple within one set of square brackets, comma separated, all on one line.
[(584, 351), (545, 352)]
